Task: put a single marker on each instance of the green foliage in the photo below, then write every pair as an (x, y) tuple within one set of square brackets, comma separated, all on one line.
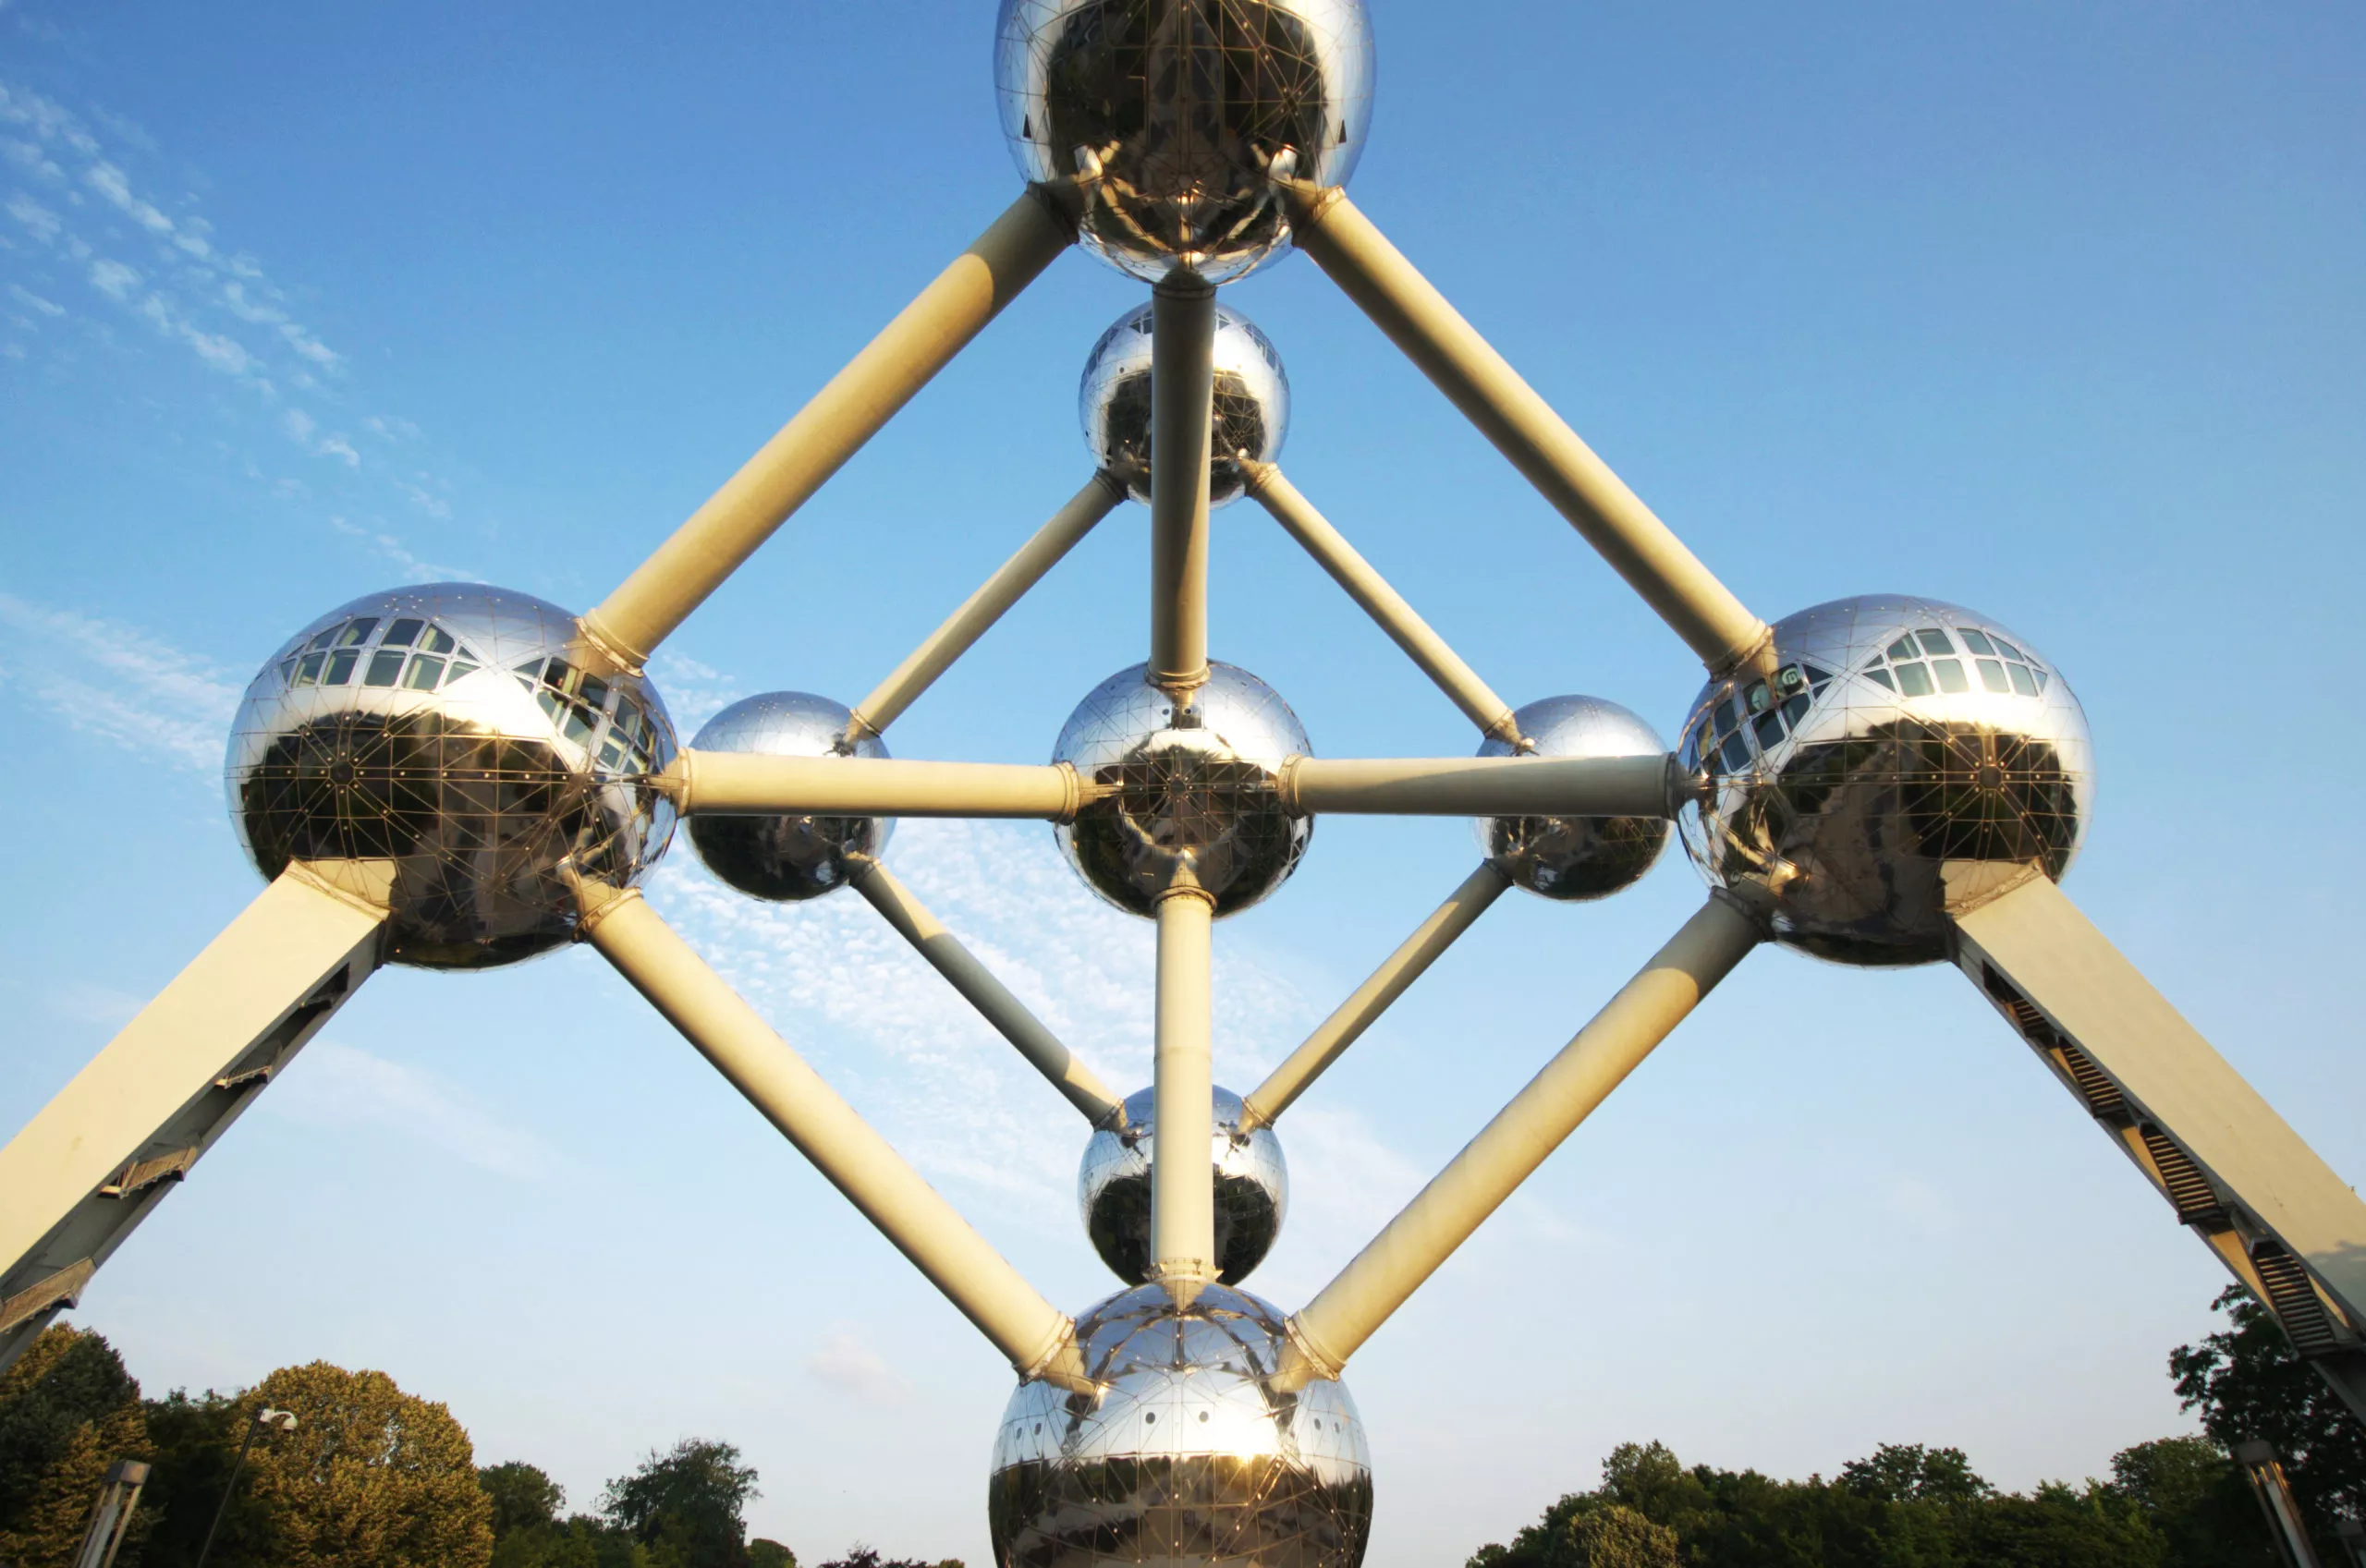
[(686, 1506), (860, 1556), (523, 1497), (2248, 1384), (770, 1554), (191, 1445), (68, 1411), (2198, 1499), (1910, 1473)]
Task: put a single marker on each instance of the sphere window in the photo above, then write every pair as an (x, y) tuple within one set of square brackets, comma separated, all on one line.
[(2022, 682), (404, 632), (1992, 674), (1950, 672), (1935, 641), (1914, 680), (340, 668), (386, 667)]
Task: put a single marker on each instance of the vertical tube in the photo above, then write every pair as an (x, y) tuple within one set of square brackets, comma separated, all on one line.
[(1492, 1166), (1182, 391), (1182, 1178)]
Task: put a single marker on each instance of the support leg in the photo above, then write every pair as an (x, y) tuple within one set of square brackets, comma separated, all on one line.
[(97, 1158)]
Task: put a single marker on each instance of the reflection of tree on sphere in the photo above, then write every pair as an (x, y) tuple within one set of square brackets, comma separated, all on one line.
[(1171, 113), (465, 735), (1575, 858), (1898, 735), (786, 858), (1181, 792), (1190, 1455), (1252, 1190), (1250, 411)]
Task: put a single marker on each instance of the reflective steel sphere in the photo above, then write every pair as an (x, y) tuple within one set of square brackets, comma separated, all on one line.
[(1900, 735), (1175, 113), (1190, 1455), (1251, 412), (786, 858), (467, 735), (1252, 1191), (1575, 858), (1188, 796)]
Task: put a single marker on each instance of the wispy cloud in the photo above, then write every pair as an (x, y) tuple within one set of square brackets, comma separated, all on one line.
[(28, 298), (333, 1084), (116, 682), (846, 1361)]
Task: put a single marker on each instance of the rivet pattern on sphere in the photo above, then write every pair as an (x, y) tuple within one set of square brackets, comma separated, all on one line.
[(786, 858), (1898, 735), (1251, 410), (1252, 1190), (1191, 1456), (1173, 112), (466, 735), (1184, 789), (1575, 858)]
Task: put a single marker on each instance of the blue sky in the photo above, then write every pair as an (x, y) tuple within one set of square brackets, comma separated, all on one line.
[(2051, 311)]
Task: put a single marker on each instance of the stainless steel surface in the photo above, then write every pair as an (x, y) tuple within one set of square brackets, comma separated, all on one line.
[(1171, 115), (1251, 410), (784, 858), (1191, 1455), (470, 735), (1575, 858), (1192, 789), (1252, 1184), (1900, 734)]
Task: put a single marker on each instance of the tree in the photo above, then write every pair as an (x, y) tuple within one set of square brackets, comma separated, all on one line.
[(523, 1497), (2197, 1500), (371, 1478), (2249, 1384), (770, 1554), (193, 1442), (1910, 1473), (1618, 1537), (861, 1556), (687, 1506), (68, 1411)]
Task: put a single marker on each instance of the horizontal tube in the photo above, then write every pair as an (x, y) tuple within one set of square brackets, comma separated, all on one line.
[(982, 609), (1038, 1338), (1478, 786), (923, 337), (1344, 1027), (1490, 1167), (1382, 602), (1492, 395), (992, 1000), (742, 784)]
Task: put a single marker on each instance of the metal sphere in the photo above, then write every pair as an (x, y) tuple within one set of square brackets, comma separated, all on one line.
[(1189, 1456), (469, 736), (1900, 735), (1252, 1190), (1251, 412), (1575, 858), (1188, 795), (787, 859), (1175, 115)]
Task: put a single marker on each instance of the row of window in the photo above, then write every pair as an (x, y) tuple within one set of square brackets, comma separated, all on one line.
[(575, 699), (413, 655), (2003, 668)]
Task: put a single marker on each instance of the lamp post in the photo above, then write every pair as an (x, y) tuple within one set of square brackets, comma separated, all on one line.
[(280, 1420)]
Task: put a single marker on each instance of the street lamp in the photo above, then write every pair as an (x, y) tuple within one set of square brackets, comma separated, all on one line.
[(280, 1420)]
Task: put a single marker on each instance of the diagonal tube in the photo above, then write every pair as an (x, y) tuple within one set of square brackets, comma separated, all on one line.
[(1476, 379), (1482, 786), (1382, 604), (992, 1000), (1490, 1167), (1344, 1027), (1182, 392), (1182, 1180), (1038, 1338), (785, 473), (744, 784), (982, 609)]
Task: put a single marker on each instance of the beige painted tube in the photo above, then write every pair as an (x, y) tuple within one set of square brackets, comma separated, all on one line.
[(1182, 392), (1344, 1027), (982, 609), (1382, 604), (741, 784), (1478, 786), (1492, 1166), (1038, 1338), (780, 478), (992, 1000), (1476, 379), (1182, 1177)]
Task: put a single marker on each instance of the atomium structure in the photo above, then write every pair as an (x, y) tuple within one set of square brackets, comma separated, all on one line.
[(461, 777)]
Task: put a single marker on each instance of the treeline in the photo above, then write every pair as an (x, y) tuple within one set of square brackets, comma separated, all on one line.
[(2175, 1502), (369, 1477)]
